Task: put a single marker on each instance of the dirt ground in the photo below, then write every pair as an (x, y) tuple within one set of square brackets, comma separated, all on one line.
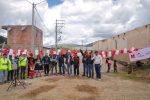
[(78, 88)]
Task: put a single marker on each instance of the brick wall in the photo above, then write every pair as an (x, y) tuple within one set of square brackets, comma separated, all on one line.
[(20, 36)]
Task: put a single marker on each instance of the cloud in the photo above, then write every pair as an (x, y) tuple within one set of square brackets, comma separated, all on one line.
[(87, 20)]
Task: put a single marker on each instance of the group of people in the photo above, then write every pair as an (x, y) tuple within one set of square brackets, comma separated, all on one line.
[(24, 66)]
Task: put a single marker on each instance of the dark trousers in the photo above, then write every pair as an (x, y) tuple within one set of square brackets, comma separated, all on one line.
[(28, 70), (89, 70), (46, 69), (92, 71), (98, 71), (61, 69), (76, 69), (22, 74), (54, 65), (10, 75), (115, 69), (84, 69), (16, 73), (108, 70)]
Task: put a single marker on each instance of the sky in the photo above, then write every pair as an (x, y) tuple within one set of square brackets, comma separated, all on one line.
[(85, 20)]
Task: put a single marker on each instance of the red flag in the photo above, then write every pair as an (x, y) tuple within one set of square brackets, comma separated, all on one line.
[(14, 52), (41, 52), (136, 49), (106, 53), (122, 51), (113, 52), (4, 51), (100, 53), (129, 51)]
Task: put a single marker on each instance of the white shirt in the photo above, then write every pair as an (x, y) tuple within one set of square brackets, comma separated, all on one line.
[(98, 59)]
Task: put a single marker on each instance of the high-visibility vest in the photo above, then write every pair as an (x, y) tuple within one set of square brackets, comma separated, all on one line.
[(22, 62), (9, 65), (4, 64)]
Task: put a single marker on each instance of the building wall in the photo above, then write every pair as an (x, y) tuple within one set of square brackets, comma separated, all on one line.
[(139, 38), (21, 37)]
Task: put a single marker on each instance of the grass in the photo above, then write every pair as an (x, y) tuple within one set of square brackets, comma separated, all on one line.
[(140, 74)]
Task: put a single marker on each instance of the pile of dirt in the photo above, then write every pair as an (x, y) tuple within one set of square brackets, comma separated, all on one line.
[(38, 91), (87, 88)]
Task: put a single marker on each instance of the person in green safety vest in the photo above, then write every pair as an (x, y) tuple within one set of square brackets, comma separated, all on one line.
[(10, 70), (22, 64), (4, 64)]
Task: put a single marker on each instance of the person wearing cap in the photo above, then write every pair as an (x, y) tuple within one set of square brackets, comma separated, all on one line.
[(76, 63), (61, 64), (4, 64), (46, 62), (90, 62), (84, 61), (23, 62), (15, 67), (98, 63), (54, 63), (31, 63), (69, 62), (38, 66)]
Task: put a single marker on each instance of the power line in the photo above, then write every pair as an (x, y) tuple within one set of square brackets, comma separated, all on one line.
[(41, 19)]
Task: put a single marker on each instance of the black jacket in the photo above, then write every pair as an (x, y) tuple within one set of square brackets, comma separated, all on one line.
[(84, 58)]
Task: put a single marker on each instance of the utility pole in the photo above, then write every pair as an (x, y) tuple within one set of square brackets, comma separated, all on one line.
[(32, 44), (33, 18), (82, 44), (58, 31)]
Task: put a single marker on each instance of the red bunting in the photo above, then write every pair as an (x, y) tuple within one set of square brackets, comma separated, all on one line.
[(113, 52), (100, 53), (30, 53), (63, 51), (106, 53), (136, 49), (41, 52), (129, 51), (21, 52), (14, 52), (122, 51), (5, 51)]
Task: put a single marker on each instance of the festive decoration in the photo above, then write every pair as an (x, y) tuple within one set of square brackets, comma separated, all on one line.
[(104, 54), (122, 51), (100, 53), (117, 52), (125, 50), (113, 52), (129, 51), (109, 54), (30, 53), (5, 51), (135, 49), (36, 52), (41, 52), (14, 52)]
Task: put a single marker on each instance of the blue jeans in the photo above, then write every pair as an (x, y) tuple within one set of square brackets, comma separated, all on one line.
[(98, 71), (84, 69), (69, 68), (61, 69), (3, 75), (89, 70)]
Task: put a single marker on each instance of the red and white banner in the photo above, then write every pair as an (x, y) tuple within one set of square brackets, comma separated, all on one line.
[(140, 54)]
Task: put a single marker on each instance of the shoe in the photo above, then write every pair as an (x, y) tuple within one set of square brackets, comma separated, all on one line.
[(99, 79), (83, 75)]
